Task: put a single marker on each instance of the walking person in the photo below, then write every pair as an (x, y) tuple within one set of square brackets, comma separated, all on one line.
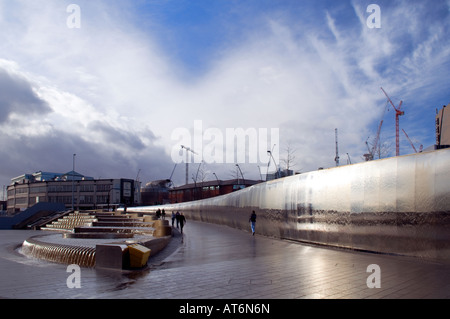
[(252, 221), (173, 218), (177, 217), (182, 221)]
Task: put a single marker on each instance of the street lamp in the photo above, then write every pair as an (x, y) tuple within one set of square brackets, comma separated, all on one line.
[(218, 184), (276, 168), (73, 174), (260, 174), (241, 174)]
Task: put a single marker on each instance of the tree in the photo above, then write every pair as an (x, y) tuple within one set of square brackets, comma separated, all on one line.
[(288, 160)]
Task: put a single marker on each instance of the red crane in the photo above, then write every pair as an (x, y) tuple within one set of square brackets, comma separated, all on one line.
[(398, 113)]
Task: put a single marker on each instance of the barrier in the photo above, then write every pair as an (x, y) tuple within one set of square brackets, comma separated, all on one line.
[(138, 255), (398, 205), (111, 256)]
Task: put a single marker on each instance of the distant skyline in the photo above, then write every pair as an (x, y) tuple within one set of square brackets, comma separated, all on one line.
[(114, 80)]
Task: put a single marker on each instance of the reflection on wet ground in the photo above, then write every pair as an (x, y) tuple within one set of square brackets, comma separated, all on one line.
[(216, 262)]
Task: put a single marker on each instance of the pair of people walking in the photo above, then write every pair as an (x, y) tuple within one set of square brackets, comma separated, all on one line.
[(181, 220)]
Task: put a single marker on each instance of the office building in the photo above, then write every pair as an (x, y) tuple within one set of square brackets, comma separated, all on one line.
[(72, 189), (443, 127)]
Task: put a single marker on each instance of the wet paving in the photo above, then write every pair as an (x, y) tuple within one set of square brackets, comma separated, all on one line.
[(217, 262)]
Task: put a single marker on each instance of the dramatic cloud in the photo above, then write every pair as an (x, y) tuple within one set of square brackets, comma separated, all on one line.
[(114, 90), (17, 98)]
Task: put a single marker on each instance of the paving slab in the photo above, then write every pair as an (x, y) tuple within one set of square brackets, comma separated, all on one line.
[(218, 262)]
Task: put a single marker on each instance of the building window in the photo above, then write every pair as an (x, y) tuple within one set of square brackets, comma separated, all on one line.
[(103, 188), (40, 189), (102, 199), (86, 188), (21, 200), (61, 188), (86, 199), (61, 199), (22, 191)]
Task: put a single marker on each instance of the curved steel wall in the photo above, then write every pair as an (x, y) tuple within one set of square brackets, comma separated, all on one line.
[(397, 205)]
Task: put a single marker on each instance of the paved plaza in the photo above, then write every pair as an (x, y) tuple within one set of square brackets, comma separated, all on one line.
[(217, 262)]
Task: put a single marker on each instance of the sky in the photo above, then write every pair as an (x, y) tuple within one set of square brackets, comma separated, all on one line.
[(123, 84)]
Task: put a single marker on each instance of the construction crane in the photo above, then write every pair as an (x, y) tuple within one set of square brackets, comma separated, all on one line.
[(136, 187), (410, 142), (398, 113), (137, 176), (370, 156), (336, 159), (187, 160), (170, 178)]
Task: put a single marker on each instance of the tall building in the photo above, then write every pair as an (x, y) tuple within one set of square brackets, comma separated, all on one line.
[(443, 127), (72, 189)]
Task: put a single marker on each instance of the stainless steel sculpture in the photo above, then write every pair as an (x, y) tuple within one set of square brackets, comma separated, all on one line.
[(398, 205)]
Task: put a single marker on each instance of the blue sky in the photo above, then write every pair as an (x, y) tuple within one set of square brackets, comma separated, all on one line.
[(114, 90)]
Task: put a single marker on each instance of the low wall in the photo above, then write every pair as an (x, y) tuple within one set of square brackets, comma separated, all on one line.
[(30, 215), (399, 205)]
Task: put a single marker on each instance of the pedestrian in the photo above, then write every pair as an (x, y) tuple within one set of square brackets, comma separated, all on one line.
[(177, 217), (163, 214), (252, 221), (173, 218), (182, 221)]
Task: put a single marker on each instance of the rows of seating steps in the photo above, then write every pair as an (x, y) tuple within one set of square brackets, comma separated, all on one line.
[(94, 224), (129, 239)]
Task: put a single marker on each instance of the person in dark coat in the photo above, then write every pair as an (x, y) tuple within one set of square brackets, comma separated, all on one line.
[(252, 221), (182, 221), (177, 217)]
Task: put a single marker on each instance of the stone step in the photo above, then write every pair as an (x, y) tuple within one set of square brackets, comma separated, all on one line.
[(135, 230), (122, 224)]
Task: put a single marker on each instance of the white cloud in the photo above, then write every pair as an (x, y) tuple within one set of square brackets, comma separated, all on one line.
[(111, 80)]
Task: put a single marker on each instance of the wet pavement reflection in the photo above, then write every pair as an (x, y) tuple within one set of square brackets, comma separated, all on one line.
[(215, 262)]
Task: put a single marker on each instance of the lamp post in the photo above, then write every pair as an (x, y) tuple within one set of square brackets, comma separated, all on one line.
[(218, 185), (276, 168), (268, 163), (241, 174), (73, 177), (194, 191), (260, 174)]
